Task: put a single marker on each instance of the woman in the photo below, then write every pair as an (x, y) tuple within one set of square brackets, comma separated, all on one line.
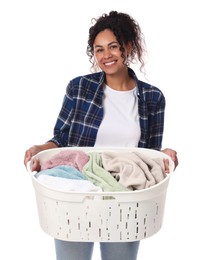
[(111, 107)]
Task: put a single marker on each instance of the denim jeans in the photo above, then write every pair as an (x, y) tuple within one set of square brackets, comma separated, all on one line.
[(83, 250)]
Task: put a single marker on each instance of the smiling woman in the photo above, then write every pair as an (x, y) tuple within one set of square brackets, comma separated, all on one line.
[(127, 37), (110, 58), (111, 107)]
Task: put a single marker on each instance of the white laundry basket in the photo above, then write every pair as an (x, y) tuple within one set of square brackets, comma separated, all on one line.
[(89, 216)]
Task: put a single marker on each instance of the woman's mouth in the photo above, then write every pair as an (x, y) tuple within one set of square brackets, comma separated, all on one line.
[(109, 63)]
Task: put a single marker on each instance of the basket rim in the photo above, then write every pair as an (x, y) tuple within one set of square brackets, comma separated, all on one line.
[(101, 193), (152, 152)]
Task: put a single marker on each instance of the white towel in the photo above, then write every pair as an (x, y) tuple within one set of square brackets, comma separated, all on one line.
[(66, 185)]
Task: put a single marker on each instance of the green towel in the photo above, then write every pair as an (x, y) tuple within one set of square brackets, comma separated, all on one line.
[(95, 172)]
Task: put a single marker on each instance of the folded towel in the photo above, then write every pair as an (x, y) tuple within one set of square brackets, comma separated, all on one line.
[(63, 171), (133, 170), (94, 171), (74, 158), (66, 185)]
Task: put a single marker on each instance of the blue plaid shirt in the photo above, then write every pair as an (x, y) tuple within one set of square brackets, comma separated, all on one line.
[(82, 112)]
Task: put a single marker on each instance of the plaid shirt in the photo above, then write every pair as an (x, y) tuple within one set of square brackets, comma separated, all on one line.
[(82, 112)]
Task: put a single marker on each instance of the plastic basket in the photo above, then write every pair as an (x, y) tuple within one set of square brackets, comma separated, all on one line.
[(123, 216)]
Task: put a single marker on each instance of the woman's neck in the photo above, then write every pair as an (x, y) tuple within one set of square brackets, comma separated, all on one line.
[(120, 83)]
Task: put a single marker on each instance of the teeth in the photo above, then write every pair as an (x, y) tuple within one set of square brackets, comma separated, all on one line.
[(109, 63)]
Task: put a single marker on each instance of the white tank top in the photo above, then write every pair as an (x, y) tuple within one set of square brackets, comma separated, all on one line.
[(120, 125)]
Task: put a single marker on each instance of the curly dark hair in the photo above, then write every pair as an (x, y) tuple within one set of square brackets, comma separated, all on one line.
[(126, 30)]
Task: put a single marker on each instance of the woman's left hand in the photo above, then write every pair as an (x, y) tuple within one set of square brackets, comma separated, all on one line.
[(173, 155)]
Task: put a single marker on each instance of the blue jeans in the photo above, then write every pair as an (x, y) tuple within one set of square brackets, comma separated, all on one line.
[(83, 250)]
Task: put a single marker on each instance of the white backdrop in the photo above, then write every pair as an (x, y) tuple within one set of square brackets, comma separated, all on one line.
[(43, 46)]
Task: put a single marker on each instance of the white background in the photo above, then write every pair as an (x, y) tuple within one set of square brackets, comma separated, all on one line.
[(42, 46)]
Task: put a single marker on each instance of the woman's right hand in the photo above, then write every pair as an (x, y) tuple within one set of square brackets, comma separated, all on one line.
[(34, 150), (28, 155)]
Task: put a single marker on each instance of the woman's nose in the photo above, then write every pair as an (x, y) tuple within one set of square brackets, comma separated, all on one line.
[(107, 54)]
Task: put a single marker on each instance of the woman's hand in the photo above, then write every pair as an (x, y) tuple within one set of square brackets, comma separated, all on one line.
[(34, 150), (173, 155), (28, 155)]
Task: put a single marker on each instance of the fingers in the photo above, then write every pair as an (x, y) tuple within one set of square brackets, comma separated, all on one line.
[(166, 165), (36, 165), (175, 160), (28, 155), (173, 155)]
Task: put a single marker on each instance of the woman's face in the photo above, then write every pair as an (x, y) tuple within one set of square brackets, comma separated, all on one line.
[(107, 52)]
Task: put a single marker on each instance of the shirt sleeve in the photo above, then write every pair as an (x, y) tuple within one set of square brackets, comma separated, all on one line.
[(63, 123), (156, 120)]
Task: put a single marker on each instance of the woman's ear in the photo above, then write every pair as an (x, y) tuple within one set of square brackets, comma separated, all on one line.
[(129, 49)]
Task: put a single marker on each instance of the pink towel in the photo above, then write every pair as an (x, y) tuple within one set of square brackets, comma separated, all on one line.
[(76, 159)]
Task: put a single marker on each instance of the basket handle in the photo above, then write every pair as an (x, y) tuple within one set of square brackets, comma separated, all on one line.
[(107, 196)]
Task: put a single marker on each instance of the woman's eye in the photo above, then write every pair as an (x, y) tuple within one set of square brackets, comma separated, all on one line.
[(99, 50)]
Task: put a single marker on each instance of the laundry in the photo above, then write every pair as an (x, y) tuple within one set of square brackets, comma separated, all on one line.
[(63, 171), (66, 185), (133, 170), (74, 158), (109, 171), (99, 176)]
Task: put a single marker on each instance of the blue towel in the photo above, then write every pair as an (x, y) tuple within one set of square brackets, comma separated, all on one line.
[(63, 171)]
